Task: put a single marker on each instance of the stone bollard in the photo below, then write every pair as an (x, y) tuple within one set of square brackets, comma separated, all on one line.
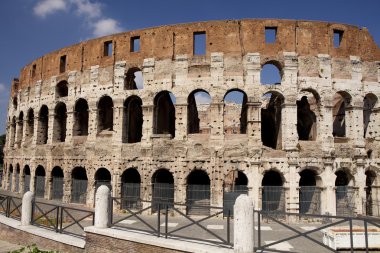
[(26, 210), (243, 225), (102, 208)]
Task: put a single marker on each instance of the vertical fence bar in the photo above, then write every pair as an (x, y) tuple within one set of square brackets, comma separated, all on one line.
[(258, 229), (366, 235), (61, 220), (166, 221), (57, 219), (33, 207), (228, 226), (351, 236), (8, 210), (158, 220)]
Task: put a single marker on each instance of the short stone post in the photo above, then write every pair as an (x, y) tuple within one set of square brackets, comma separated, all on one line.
[(102, 208), (26, 211), (244, 231)]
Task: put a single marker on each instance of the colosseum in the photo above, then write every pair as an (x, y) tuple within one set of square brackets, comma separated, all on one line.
[(149, 113)]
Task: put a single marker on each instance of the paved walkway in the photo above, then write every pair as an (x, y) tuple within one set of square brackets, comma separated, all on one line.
[(7, 247)]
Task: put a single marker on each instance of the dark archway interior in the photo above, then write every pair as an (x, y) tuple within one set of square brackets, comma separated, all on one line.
[(341, 178), (133, 120), (272, 178), (341, 101), (57, 172), (43, 125), (241, 179), (271, 121), (234, 98), (369, 103), (306, 119), (129, 81), (198, 177), (131, 176), (81, 118), (40, 171), (60, 122), (193, 121), (20, 127), (30, 123), (164, 114), (105, 112), (163, 176), (102, 174), (307, 178), (79, 173), (26, 170), (62, 89)]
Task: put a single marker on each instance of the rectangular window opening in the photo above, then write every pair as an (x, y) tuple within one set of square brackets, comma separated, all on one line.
[(135, 44), (199, 47), (108, 48), (62, 64), (270, 34), (338, 35), (34, 67)]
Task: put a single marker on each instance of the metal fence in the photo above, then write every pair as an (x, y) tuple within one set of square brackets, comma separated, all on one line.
[(10, 206), (57, 188), (345, 200), (198, 199), (229, 198), (162, 193), (61, 219), (165, 223), (130, 196), (273, 198), (40, 186), (310, 200), (79, 191)]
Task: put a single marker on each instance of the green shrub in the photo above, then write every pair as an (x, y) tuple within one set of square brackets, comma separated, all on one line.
[(32, 249)]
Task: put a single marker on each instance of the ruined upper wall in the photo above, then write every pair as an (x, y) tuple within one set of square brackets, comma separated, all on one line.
[(232, 37)]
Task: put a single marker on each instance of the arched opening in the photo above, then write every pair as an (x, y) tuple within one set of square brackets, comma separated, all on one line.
[(61, 90), (235, 183), (130, 189), (133, 120), (345, 194), (309, 193), (164, 113), (198, 111), (13, 131), (40, 182), (271, 133), (273, 194), (26, 175), (20, 128), (80, 118), (59, 133), (198, 193), (133, 79), (10, 177), (17, 178), (307, 107), (372, 204), (57, 183), (341, 101), (270, 73), (162, 189), (102, 177), (105, 114), (369, 125), (43, 125), (30, 125), (235, 112), (79, 185)]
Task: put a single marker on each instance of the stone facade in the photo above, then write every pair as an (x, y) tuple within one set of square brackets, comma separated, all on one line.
[(80, 107)]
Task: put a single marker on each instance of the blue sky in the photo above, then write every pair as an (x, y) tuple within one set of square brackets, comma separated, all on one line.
[(32, 28)]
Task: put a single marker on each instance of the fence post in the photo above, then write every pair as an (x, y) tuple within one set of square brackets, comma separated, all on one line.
[(244, 230), (27, 210), (102, 207)]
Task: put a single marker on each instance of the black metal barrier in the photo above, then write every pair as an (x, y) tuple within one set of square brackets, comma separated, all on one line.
[(61, 219), (166, 214), (10, 206)]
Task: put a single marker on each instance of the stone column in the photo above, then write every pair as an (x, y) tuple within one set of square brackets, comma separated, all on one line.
[(254, 124), (244, 225), (90, 201), (13, 180), (69, 125), (181, 121), (328, 196), (26, 212), (256, 183), (118, 111), (67, 187), (293, 183), (216, 120), (48, 185), (289, 127), (51, 126), (147, 129), (102, 210), (33, 180), (119, 75), (24, 130), (92, 121), (360, 184)]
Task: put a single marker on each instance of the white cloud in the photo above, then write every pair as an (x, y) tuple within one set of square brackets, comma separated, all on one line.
[(202, 98), (47, 7), (2, 88), (87, 9), (106, 26)]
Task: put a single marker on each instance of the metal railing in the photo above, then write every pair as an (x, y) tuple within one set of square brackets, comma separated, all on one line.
[(61, 219), (311, 240), (10, 206), (165, 222)]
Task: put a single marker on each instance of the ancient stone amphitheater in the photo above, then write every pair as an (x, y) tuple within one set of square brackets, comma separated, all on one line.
[(80, 117)]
